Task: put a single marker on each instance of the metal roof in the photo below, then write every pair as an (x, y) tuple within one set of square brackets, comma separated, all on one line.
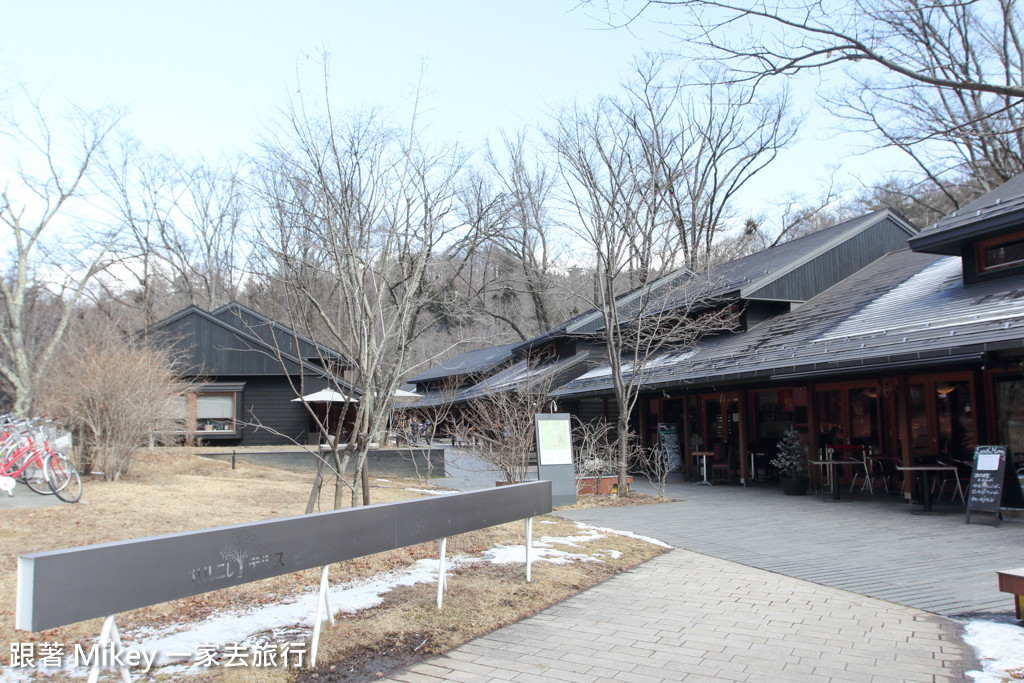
[(467, 363), (744, 277), (905, 309), (521, 375), (994, 212)]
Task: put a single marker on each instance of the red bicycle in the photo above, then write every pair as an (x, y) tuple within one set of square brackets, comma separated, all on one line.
[(41, 468)]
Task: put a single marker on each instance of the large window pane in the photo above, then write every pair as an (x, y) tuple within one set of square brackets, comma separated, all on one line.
[(864, 429), (215, 412), (917, 406), (955, 419), (830, 417)]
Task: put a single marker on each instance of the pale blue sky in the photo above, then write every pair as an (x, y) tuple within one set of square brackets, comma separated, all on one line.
[(208, 77)]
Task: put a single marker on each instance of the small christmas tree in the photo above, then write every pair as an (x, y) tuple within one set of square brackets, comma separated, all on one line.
[(792, 454)]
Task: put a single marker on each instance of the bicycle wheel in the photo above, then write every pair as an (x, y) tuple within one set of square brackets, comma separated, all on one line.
[(63, 478), (34, 476)]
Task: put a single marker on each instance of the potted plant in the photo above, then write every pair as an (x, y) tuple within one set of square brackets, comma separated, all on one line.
[(790, 460)]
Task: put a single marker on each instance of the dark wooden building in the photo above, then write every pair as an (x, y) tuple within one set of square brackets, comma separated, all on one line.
[(857, 339), (248, 370)]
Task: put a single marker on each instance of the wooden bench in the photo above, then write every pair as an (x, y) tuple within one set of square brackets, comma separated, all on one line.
[(1012, 581)]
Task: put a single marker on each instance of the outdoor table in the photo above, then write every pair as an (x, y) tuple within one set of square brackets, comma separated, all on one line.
[(831, 464), (925, 474), (704, 455)]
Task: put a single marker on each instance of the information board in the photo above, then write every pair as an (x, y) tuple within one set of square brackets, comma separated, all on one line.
[(994, 483), (554, 456)]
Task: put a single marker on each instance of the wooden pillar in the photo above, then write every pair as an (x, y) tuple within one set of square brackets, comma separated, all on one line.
[(741, 405), (813, 435), (687, 446), (902, 389)]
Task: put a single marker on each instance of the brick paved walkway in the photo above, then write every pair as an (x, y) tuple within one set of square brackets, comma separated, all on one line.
[(762, 587), (689, 617), (874, 547)]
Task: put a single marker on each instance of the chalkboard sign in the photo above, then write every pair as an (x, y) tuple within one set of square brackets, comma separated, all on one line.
[(994, 484), (668, 438)]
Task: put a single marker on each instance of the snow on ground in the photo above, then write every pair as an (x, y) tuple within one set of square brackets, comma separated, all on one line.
[(999, 647), (432, 492), (630, 534), (290, 620)]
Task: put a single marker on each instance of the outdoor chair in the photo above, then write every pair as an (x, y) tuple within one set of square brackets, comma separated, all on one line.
[(863, 470), (721, 468), (959, 481)]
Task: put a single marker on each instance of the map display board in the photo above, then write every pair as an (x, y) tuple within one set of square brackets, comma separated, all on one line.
[(554, 456)]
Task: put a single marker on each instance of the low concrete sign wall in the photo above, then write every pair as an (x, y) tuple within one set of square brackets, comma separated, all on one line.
[(65, 586)]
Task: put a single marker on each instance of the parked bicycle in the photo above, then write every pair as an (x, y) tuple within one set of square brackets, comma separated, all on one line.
[(27, 457)]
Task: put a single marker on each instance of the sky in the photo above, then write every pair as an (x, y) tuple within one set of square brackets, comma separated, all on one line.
[(209, 78)]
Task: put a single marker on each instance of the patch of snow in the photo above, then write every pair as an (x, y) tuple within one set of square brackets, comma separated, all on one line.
[(290, 619), (630, 534), (998, 646), (431, 492)]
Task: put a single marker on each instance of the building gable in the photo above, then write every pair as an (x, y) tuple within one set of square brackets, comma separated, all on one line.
[(206, 346)]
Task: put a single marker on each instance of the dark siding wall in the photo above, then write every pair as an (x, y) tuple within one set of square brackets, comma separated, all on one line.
[(272, 335), (756, 312), (837, 264), (208, 349), (268, 401), (590, 409)]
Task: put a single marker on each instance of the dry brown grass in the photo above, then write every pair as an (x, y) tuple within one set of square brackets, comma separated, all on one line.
[(175, 490)]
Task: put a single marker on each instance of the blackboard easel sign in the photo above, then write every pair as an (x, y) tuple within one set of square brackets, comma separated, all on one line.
[(994, 484)]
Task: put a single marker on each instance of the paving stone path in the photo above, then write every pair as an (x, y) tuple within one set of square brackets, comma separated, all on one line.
[(688, 617), (762, 587)]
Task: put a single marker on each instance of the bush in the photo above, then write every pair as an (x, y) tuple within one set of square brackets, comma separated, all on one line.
[(791, 457), (115, 395)]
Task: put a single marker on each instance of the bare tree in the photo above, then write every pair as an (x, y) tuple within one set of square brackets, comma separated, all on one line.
[(594, 448), (115, 395), (185, 222), (54, 242), (357, 210), (502, 421), (919, 41), (622, 163), (941, 81), (524, 229)]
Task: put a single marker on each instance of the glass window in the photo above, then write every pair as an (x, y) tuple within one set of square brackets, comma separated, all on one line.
[(830, 417), (863, 411), (1001, 252), (955, 419), (1010, 415), (215, 412), (917, 406)]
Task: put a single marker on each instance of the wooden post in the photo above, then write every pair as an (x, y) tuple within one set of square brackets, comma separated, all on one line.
[(741, 405), (901, 387), (687, 446), (813, 435)]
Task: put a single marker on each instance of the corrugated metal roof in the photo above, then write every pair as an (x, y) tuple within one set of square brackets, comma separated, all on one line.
[(995, 210), (906, 307), (467, 363), (740, 277), (518, 376)]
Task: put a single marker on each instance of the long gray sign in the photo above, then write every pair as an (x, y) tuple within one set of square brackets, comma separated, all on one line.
[(65, 586)]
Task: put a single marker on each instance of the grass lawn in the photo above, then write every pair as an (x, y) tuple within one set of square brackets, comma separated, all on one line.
[(173, 490)]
